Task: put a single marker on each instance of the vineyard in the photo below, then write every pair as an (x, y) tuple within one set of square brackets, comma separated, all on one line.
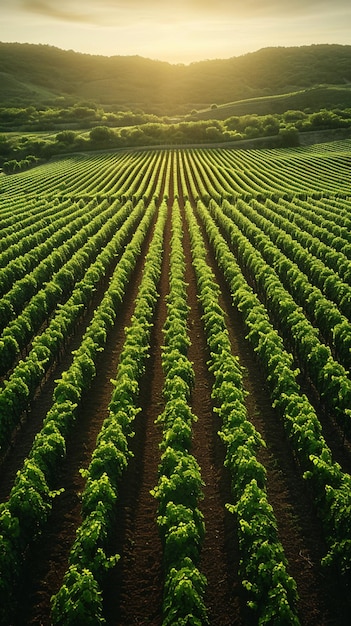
[(175, 398)]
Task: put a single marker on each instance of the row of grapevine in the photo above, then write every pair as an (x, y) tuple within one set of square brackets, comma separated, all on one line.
[(26, 512), (108, 174), (333, 324), (332, 486), (71, 233), (37, 223), (271, 591), (21, 385), (88, 561), (35, 259), (33, 299), (329, 376), (304, 171), (286, 172), (305, 250), (323, 227), (179, 488)]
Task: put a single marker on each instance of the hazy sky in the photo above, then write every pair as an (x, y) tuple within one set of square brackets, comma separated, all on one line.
[(179, 31)]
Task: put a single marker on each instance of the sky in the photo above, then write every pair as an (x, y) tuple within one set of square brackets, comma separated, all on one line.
[(177, 31)]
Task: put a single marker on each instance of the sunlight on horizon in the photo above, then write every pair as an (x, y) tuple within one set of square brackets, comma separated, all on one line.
[(189, 31)]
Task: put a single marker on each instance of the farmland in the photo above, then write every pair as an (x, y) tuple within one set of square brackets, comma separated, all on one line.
[(175, 401)]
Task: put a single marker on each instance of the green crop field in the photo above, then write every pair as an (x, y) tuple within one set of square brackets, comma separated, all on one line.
[(175, 399)]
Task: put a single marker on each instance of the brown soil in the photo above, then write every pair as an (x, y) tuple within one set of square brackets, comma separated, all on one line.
[(133, 593)]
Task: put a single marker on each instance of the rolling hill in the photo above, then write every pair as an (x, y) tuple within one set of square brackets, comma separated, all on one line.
[(40, 74)]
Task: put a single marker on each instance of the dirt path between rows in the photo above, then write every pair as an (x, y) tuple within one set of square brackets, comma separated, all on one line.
[(133, 592)]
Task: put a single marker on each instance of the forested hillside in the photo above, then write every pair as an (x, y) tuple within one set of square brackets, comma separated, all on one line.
[(40, 73)]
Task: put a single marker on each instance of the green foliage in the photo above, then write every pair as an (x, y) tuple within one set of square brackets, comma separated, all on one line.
[(262, 555), (180, 480), (179, 487), (272, 591), (183, 531), (66, 137), (89, 553), (30, 500), (184, 590), (260, 216), (289, 136), (301, 421), (101, 136), (78, 601), (91, 543), (22, 152)]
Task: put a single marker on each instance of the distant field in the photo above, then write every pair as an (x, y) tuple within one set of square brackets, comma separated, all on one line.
[(177, 324)]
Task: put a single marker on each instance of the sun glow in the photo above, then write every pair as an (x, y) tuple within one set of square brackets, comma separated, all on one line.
[(181, 32)]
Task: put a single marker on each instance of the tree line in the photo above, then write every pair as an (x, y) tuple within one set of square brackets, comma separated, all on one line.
[(22, 151)]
